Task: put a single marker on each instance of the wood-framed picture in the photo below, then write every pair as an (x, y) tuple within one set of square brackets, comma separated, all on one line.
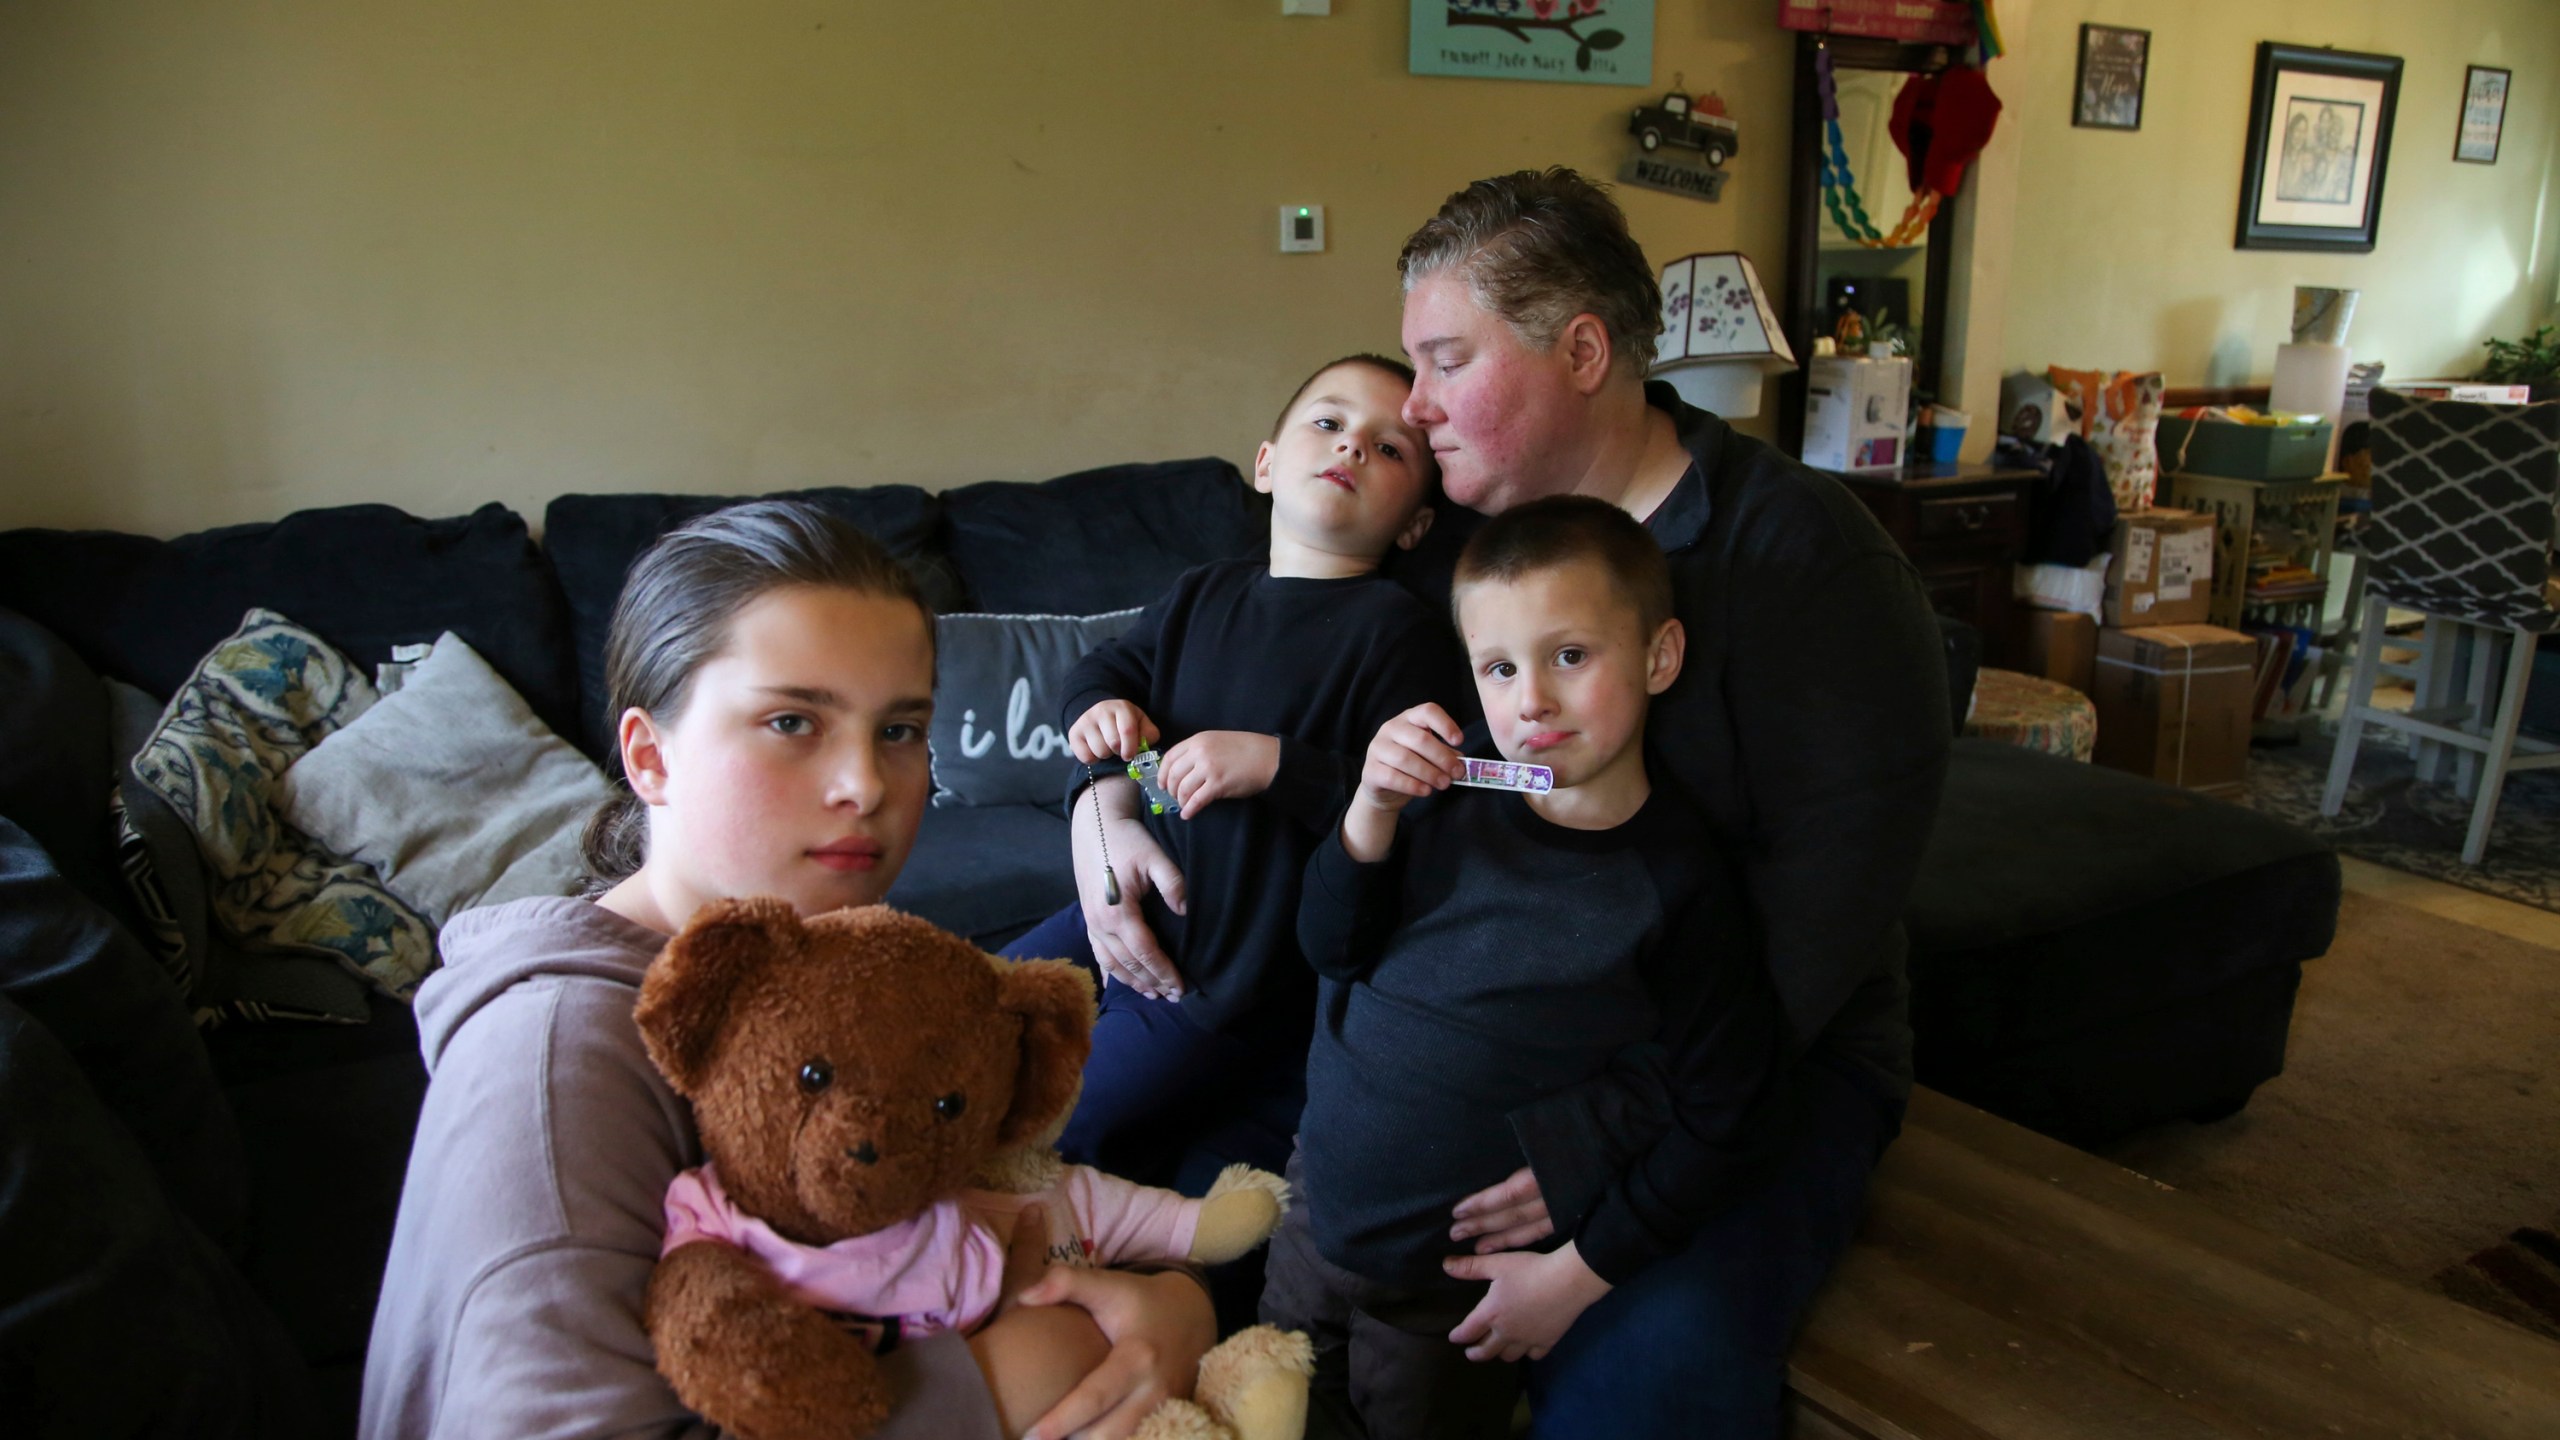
[(2484, 114), (2319, 138), (2114, 63)]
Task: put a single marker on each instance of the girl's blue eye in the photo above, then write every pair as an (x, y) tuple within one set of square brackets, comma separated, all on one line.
[(791, 724)]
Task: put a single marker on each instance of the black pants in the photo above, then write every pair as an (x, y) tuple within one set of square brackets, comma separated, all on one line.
[(1385, 1367)]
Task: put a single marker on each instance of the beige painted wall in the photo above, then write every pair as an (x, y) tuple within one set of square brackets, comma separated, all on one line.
[(2122, 253), (254, 258)]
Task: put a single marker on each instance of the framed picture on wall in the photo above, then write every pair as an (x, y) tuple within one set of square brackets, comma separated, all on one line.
[(2114, 62), (2484, 114), (2319, 137)]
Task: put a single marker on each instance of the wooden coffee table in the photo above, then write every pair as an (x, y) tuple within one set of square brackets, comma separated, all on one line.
[(2009, 1287)]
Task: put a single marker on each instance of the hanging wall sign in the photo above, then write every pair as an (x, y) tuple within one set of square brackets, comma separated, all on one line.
[(1586, 42), (1926, 22), (1683, 141)]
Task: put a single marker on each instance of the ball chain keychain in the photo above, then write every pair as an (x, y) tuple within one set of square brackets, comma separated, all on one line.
[(1102, 833)]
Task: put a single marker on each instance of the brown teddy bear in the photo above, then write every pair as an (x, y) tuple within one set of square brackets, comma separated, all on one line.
[(874, 1096)]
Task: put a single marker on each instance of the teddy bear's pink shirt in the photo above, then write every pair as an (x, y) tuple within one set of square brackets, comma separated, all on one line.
[(943, 1269)]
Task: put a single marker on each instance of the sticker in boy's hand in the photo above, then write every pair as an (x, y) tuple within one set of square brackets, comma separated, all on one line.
[(1160, 801), (1509, 775)]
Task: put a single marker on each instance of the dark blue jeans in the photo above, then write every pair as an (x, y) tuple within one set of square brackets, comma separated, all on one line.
[(1697, 1344), (1166, 1102)]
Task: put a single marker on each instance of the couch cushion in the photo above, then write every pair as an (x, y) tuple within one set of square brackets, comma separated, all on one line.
[(1102, 539), (55, 765), (592, 540), (450, 790), (102, 996), (987, 871), (363, 577), (117, 1315), (997, 683), (260, 701), (2057, 897)]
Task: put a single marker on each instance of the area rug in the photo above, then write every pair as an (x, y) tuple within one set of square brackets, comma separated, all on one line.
[(2417, 1121), (2391, 819)]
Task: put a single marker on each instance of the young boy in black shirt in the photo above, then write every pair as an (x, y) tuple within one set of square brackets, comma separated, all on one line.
[(1484, 952), (1267, 677)]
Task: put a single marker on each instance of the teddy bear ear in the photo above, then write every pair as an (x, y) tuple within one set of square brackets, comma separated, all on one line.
[(686, 996), (1054, 1001)]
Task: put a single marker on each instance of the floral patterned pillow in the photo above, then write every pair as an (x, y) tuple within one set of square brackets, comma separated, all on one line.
[(257, 703)]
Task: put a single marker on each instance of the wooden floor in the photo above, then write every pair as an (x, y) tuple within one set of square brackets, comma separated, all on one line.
[(2009, 1287)]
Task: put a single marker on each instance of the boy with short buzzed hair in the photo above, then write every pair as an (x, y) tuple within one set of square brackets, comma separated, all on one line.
[(1483, 954)]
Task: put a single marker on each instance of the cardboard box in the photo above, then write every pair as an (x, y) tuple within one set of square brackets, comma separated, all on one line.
[(2173, 703), (1855, 410), (2063, 645), (2160, 569)]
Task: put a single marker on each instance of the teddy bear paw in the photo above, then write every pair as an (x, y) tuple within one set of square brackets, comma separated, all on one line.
[(1255, 1383)]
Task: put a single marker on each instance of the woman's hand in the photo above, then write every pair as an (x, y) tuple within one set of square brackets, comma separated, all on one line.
[(1159, 1327), (1508, 1215), (1534, 1300), (1219, 765), (1114, 728), (1123, 944)]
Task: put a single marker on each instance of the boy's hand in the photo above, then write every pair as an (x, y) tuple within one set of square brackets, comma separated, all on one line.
[(1114, 727), (1415, 754), (1534, 1300), (1219, 765), (1123, 944)]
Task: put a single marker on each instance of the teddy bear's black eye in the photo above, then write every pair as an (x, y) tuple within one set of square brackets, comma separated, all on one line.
[(816, 1075), (950, 1106)]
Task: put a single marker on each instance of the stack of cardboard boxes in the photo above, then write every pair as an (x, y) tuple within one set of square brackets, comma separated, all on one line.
[(2172, 692)]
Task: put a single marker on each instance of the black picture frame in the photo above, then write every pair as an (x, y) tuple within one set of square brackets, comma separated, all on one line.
[(2115, 66), (2332, 139), (2463, 138)]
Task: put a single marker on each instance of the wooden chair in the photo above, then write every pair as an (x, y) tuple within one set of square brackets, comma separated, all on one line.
[(2466, 512)]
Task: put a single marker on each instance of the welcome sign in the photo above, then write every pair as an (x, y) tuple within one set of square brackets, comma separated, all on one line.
[(1582, 42)]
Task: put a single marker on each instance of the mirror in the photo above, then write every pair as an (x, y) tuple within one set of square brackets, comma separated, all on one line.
[(1899, 291), (1877, 283)]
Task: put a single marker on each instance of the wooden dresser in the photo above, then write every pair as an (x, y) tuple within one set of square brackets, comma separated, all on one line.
[(1964, 526)]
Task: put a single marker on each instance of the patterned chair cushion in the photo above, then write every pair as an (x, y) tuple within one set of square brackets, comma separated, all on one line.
[(2466, 508), (260, 701)]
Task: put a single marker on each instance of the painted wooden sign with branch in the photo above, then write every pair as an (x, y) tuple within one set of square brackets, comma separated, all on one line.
[(1588, 42)]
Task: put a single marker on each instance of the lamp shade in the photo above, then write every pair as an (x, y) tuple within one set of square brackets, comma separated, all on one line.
[(1720, 338)]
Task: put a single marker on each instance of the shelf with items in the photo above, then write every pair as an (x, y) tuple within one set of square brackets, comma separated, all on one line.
[(2272, 540)]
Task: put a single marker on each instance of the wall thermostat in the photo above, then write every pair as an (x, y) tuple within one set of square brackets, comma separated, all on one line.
[(1301, 229)]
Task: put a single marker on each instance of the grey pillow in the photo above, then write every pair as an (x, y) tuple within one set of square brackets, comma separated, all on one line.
[(451, 789), (998, 682)]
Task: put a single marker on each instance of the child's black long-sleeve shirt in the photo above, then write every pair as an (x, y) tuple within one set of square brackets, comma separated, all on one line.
[(1319, 663), (1495, 962)]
